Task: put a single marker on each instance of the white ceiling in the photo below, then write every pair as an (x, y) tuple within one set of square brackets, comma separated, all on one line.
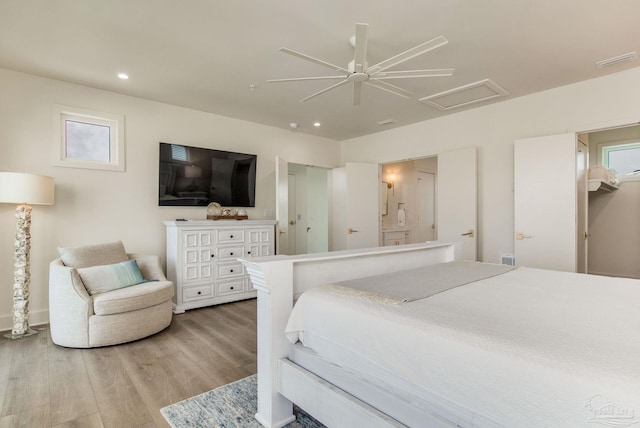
[(207, 54)]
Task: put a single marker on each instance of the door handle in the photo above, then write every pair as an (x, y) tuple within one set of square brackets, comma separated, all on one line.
[(292, 222), (470, 233), (350, 231), (521, 236)]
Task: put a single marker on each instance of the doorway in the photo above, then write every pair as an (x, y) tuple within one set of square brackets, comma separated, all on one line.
[(411, 187), (613, 224), (303, 209), (581, 222)]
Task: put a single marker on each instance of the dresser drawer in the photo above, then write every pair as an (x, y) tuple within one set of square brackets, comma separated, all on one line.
[(229, 253), (232, 287), (229, 270), (230, 236), (198, 292)]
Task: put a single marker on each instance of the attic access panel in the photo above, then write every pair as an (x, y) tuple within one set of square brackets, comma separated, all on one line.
[(476, 92)]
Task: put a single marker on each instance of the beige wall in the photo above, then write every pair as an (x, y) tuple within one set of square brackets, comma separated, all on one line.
[(589, 105), (95, 206)]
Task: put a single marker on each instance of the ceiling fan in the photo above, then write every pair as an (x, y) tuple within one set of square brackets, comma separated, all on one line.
[(359, 72)]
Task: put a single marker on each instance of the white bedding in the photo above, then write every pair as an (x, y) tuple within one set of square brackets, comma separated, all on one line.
[(527, 348)]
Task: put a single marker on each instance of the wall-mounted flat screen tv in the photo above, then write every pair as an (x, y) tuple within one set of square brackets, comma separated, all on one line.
[(194, 176)]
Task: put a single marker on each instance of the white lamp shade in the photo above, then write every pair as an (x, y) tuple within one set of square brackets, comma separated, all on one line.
[(20, 188)]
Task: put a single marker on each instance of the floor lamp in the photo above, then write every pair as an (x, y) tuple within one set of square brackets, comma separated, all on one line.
[(23, 189)]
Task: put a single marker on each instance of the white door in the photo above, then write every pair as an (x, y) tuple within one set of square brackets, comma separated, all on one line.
[(425, 206), (457, 201), (282, 206), (545, 202), (292, 224), (363, 217), (582, 165), (356, 206)]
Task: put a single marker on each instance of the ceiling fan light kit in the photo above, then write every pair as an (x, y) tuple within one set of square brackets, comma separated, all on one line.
[(358, 72)]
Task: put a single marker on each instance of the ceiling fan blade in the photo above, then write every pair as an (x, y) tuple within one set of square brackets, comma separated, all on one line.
[(407, 55), (312, 59), (295, 79), (389, 88), (385, 75), (324, 90), (360, 56), (357, 91)]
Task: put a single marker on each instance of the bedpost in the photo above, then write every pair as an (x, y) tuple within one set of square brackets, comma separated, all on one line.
[(274, 307)]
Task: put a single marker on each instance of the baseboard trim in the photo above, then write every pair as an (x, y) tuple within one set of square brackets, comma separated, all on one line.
[(615, 275)]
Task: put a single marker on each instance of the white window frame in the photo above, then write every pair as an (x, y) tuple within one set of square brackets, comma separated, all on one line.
[(603, 148), (115, 122)]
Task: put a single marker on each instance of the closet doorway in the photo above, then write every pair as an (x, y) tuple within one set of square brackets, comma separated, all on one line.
[(302, 209), (613, 221), (571, 219)]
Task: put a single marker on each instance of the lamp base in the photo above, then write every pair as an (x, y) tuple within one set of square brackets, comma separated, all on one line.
[(20, 336)]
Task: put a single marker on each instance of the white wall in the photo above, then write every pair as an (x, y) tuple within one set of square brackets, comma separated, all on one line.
[(96, 206), (589, 105)]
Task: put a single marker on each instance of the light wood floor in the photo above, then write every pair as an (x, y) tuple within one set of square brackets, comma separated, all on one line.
[(44, 385)]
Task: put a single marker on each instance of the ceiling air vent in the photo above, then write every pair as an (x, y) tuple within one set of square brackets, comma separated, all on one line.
[(386, 122), (616, 60), (464, 95)]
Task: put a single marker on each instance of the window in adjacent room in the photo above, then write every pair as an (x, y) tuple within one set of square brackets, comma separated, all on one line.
[(88, 139), (623, 157)]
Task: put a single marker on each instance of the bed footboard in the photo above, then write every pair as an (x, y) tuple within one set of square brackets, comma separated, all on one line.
[(280, 279), (327, 403)]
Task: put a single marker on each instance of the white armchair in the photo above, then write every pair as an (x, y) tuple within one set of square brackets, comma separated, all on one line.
[(79, 319)]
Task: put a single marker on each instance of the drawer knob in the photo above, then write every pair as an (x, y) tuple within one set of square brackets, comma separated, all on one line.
[(230, 270), (199, 292), (248, 252), (231, 288), (212, 255), (231, 236), (231, 253)]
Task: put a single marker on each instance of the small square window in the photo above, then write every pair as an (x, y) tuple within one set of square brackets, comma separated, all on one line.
[(623, 157), (88, 139)]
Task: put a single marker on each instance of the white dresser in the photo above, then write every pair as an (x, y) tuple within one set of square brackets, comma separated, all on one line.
[(202, 259)]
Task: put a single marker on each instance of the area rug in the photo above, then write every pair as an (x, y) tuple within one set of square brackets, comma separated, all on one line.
[(232, 405)]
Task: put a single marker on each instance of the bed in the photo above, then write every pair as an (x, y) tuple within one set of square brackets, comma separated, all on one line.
[(524, 347)]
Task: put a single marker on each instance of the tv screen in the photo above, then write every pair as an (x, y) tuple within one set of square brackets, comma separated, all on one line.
[(194, 176)]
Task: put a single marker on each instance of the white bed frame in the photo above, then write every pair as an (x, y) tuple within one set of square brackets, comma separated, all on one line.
[(279, 280)]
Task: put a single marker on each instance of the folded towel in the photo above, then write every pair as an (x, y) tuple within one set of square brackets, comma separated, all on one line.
[(601, 173)]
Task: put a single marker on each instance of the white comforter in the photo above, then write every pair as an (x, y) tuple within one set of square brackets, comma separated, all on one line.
[(529, 348)]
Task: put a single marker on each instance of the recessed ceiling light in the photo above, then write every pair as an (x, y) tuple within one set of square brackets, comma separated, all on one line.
[(123, 76), (316, 124), (293, 125)]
